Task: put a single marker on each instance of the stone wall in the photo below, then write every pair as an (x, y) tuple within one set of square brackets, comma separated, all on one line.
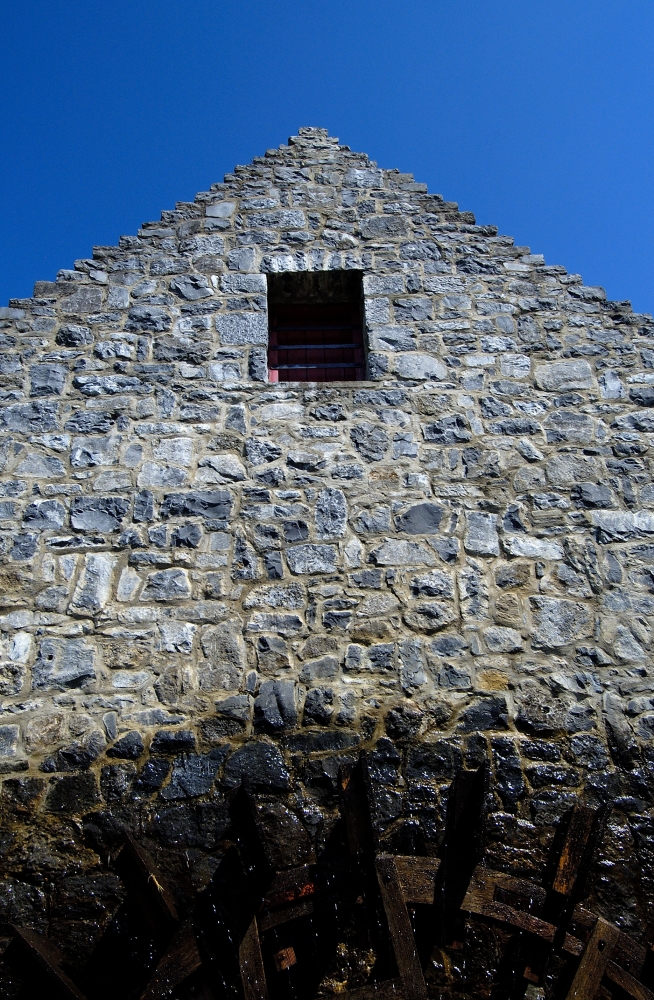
[(204, 575)]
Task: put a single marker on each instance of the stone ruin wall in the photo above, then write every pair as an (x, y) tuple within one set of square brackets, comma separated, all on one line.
[(205, 575)]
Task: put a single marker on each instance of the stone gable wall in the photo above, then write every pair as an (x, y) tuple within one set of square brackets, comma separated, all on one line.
[(239, 575)]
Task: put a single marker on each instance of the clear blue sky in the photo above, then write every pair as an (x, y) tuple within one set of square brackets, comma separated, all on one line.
[(537, 115)]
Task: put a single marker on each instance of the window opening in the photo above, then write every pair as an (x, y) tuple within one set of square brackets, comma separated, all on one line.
[(315, 328)]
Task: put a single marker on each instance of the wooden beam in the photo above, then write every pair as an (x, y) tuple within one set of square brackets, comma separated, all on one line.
[(399, 926), (417, 878), (574, 847), (628, 982), (253, 976), (278, 917), (42, 957), (487, 886), (355, 808), (460, 852), (594, 961), (180, 960)]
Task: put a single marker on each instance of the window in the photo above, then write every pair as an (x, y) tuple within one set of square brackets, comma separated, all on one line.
[(315, 329)]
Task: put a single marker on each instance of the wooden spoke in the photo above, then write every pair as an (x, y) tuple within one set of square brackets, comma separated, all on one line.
[(253, 976), (180, 960), (42, 959), (399, 926), (594, 961), (248, 898)]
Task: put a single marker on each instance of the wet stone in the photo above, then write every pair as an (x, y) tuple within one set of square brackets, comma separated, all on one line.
[(404, 722), (194, 774), (275, 708), (490, 713), (321, 741), (172, 741), (510, 783), (152, 776), (437, 762), (74, 794), (78, 755), (261, 763), (128, 747), (116, 781)]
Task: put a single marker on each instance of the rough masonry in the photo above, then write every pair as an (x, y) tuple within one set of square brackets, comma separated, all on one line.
[(206, 575)]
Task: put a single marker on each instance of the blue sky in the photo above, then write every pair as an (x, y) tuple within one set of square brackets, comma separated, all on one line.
[(536, 115)]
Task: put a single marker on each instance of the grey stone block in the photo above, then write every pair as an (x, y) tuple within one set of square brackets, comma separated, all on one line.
[(98, 513), (310, 559), (558, 622), (167, 585), (423, 519), (420, 366), (452, 429), (63, 663), (559, 376), (261, 452), (108, 385), (149, 319), (370, 441), (481, 536), (45, 515), (242, 328), (94, 585), (383, 227), (9, 740), (192, 287), (275, 708), (47, 380), (215, 504), (331, 513), (30, 418)]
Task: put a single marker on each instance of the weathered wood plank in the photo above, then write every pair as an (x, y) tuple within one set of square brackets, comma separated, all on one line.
[(45, 957), (355, 808), (486, 886), (399, 926), (574, 848), (628, 982), (277, 917), (594, 961), (180, 960), (461, 851), (517, 918), (253, 976), (296, 884), (484, 898), (417, 878)]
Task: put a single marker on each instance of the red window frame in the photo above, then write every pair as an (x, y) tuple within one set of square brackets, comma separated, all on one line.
[(320, 342)]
